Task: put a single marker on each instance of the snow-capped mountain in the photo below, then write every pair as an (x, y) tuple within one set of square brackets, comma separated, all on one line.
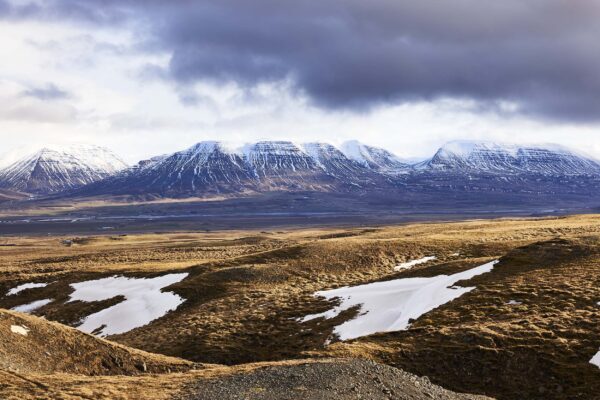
[(54, 169), (216, 168), (282, 164), (211, 167), (510, 159), (374, 158), (336, 164), (206, 168)]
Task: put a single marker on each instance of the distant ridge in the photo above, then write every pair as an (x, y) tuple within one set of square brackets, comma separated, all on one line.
[(550, 159), (214, 168)]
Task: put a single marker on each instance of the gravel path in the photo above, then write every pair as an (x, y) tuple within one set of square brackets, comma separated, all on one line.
[(332, 379)]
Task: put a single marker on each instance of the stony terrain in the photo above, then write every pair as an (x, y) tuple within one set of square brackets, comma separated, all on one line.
[(327, 379)]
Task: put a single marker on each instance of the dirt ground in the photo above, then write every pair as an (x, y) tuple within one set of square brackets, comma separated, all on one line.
[(246, 291)]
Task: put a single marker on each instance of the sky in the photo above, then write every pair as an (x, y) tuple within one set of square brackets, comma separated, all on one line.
[(153, 77)]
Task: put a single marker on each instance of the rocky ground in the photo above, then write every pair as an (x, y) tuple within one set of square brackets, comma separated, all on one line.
[(328, 379)]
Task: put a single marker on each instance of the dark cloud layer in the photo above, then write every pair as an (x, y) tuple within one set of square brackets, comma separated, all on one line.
[(542, 55)]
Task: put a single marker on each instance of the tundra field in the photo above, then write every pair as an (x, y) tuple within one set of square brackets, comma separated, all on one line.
[(242, 324)]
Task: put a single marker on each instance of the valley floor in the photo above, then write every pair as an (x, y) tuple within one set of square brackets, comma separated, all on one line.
[(527, 329), (274, 211)]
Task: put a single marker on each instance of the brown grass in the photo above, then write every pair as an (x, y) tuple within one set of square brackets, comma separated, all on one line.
[(246, 291)]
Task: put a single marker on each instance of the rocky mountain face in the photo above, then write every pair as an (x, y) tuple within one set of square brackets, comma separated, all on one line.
[(55, 169), (494, 158), (210, 168), (213, 168), (340, 167), (207, 167), (283, 165), (493, 168)]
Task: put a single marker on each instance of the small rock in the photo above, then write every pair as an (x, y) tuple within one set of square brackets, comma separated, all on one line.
[(142, 367), (19, 329)]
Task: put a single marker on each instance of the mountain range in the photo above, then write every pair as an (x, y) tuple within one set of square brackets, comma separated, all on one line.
[(213, 168)]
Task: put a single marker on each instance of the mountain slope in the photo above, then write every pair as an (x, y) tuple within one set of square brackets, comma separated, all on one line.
[(496, 158), (283, 165), (53, 169), (206, 166), (32, 344), (339, 166), (211, 167), (374, 158)]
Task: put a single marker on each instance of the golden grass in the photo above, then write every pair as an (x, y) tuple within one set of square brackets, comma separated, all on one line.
[(246, 290)]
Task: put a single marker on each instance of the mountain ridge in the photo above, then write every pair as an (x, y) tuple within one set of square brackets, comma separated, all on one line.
[(547, 159), (215, 168)]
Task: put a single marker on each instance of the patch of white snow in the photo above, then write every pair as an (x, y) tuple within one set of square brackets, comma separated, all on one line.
[(29, 307), (390, 306), (24, 286), (144, 302), (410, 264), (596, 360)]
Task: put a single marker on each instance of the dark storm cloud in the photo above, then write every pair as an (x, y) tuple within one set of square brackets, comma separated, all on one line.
[(48, 92), (542, 55)]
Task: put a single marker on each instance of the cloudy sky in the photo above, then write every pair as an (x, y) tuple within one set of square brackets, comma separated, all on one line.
[(151, 77)]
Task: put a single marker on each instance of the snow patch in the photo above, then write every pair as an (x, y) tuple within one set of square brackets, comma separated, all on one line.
[(412, 263), (24, 286), (392, 305), (29, 307), (144, 302), (356, 151), (596, 360), (514, 303)]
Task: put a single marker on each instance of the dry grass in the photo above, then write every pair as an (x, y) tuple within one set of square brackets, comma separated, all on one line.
[(247, 289)]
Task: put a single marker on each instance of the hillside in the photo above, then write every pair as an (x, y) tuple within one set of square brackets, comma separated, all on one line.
[(46, 360), (55, 169), (467, 323)]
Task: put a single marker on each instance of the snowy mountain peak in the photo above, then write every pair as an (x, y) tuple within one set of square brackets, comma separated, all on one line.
[(465, 148), (282, 163), (209, 146), (279, 147), (55, 168), (321, 152), (544, 159), (373, 157)]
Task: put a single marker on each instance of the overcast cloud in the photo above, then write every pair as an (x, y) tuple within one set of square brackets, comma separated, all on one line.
[(541, 55), (537, 61)]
